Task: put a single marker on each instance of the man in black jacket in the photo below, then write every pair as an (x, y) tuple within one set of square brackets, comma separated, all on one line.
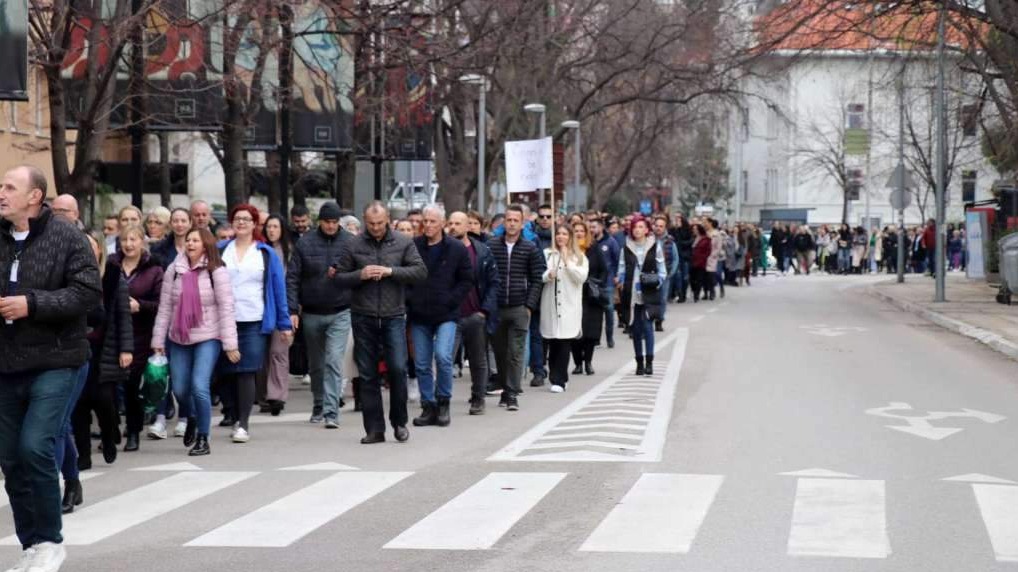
[(479, 310), (434, 310), (324, 310), (49, 280), (521, 266), (378, 266)]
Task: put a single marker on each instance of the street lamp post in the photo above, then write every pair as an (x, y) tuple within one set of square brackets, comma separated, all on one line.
[(540, 109), (573, 124), (482, 136)]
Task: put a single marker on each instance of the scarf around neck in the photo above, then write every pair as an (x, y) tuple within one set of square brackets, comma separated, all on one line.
[(189, 313)]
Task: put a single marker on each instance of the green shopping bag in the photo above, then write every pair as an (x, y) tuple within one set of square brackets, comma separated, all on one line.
[(155, 383)]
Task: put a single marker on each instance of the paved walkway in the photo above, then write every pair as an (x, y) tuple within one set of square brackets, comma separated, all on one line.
[(971, 308)]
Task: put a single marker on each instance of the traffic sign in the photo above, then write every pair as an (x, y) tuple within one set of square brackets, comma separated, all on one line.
[(900, 200)]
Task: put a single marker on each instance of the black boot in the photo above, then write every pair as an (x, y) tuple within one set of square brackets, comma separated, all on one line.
[(639, 365), (201, 446), (191, 431), (109, 449), (658, 326), (442, 419), (84, 462), (429, 415), (578, 369), (132, 442), (649, 370), (276, 407), (589, 369), (73, 496)]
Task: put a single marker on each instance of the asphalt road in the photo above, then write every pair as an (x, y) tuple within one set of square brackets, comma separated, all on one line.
[(797, 425)]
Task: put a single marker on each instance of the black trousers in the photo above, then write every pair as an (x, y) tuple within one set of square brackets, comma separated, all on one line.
[(377, 340), (101, 398), (558, 360), (583, 351), (472, 338)]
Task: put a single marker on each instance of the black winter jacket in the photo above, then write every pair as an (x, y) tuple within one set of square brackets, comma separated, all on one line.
[(308, 286), (486, 281), (683, 237), (60, 277), (118, 336), (383, 298), (438, 299), (520, 278)]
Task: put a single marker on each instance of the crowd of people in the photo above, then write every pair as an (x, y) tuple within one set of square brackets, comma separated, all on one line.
[(848, 250), (238, 308)]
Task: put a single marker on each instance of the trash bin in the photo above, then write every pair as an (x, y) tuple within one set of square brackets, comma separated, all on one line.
[(1008, 248)]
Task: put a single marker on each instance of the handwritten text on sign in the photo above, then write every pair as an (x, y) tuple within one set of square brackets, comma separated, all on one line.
[(528, 165)]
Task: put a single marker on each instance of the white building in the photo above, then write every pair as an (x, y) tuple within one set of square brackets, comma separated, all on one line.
[(806, 100)]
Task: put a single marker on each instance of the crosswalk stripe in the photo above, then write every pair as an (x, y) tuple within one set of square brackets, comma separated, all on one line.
[(999, 507), (292, 517), (117, 514), (88, 475), (626, 426), (609, 434), (481, 515), (839, 518), (583, 443), (661, 513), (637, 423)]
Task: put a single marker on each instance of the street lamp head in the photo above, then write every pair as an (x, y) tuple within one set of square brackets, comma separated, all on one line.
[(534, 107), (571, 124)]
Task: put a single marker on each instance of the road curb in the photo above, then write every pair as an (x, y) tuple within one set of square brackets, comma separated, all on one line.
[(994, 341)]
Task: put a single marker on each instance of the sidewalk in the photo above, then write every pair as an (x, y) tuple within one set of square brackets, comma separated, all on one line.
[(971, 309)]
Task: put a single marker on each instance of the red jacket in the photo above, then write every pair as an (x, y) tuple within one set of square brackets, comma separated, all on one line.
[(701, 252), (930, 238)]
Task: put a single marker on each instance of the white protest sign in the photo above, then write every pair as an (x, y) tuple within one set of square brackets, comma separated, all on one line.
[(528, 165)]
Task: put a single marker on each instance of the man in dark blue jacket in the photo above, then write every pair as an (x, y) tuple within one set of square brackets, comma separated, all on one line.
[(434, 310), (479, 311), (611, 251)]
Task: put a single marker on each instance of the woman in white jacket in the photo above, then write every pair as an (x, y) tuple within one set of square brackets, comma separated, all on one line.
[(562, 303)]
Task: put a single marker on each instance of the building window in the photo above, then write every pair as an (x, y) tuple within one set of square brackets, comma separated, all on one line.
[(856, 116), (968, 186), (969, 119), (743, 124)]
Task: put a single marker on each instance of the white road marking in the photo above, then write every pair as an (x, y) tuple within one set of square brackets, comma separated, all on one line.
[(117, 514), (86, 476), (712, 310), (920, 426), (294, 516), (697, 318), (661, 513), (329, 466), (284, 418), (979, 478), (999, 506), (818, 473), (481, 515), (588, 411), (839, 518), (171, 467)]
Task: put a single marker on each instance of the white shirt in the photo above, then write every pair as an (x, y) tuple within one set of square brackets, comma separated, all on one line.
[(247, 277)]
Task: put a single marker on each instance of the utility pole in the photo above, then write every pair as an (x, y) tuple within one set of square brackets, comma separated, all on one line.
[(901, 173), (869, 127), (482, 136), (137, 90), (941, 108), (286, 96)]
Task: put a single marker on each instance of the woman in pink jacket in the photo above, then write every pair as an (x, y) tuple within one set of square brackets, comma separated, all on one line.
[(196, 313)]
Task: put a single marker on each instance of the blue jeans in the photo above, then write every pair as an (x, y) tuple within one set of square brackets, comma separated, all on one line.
[(66, 453), (33, 408), (643, 332), (680, 281), (436, 342), (844, 259), (380, 339), (536, 346), (609, 321), (191, 368), (326, 336)]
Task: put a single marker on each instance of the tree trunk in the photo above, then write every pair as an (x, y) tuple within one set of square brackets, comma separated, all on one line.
[(273, 191), (844, 207), (346, 173), (233, 157), (164, 169)]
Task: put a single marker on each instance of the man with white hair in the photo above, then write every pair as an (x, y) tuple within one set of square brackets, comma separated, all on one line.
[(434, 312), (66, 206)]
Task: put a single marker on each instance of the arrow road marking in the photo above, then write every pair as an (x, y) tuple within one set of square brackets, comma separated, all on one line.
[(920, 426)]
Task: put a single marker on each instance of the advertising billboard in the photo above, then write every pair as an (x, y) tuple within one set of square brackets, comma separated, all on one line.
[(14, 49)]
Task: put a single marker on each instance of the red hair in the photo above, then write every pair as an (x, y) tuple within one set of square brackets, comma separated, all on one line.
[(256, 232), (638, 218)]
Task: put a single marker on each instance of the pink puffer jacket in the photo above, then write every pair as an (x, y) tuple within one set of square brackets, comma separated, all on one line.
[(216, 307)]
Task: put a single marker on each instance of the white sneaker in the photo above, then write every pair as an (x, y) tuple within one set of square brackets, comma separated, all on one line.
[(556, 388), (157, 430), (240, 435), (413, 390), (306, 380), (25, 561), (47, 557), (180, 429)]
